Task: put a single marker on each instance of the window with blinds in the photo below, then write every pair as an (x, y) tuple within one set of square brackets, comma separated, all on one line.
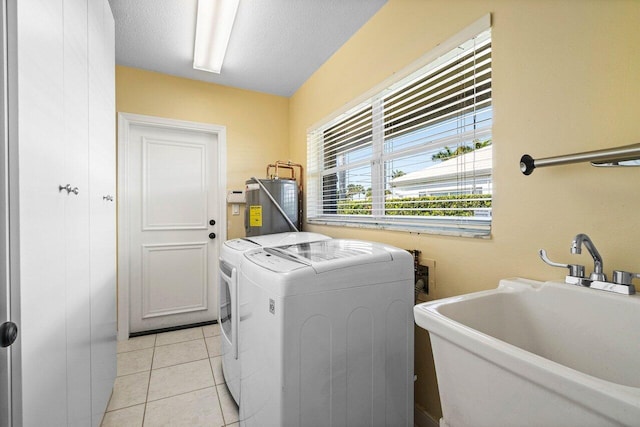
[(416, 156)]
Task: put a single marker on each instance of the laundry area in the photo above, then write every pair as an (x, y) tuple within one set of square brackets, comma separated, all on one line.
[(315, 330), (294, 213)]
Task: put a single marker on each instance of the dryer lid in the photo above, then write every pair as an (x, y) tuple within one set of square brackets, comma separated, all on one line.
[(334, 254), (241, 244)]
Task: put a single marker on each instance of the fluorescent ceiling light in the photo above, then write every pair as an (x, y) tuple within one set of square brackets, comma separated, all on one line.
[(213, 29)]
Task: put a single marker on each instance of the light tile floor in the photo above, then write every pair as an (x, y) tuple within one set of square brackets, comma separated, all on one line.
[(171, 379)]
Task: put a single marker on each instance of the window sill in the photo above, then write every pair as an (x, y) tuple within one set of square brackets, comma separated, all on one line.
[(472, 227)]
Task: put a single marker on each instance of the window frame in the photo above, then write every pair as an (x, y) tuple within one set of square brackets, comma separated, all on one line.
[(479, 226)]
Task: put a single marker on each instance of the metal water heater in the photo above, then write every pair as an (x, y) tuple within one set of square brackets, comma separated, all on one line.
[(272, 206)]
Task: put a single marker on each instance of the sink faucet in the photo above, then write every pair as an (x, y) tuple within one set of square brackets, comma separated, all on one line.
[(621, 283), (576, 248)]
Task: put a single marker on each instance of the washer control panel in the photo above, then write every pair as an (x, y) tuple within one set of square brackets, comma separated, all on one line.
[(273, 261)]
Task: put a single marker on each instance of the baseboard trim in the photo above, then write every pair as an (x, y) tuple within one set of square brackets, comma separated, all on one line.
[(422, 418)]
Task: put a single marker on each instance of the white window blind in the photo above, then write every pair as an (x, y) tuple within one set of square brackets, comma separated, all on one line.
[(415, 156)]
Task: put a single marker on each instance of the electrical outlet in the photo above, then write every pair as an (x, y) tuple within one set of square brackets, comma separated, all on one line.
[(430, 265), (424, 275)]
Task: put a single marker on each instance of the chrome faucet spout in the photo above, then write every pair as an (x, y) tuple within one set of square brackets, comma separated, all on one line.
[(598, 268), (621, 283)]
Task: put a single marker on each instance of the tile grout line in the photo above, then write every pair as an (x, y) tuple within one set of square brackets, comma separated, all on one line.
[(182, 393), (224, 418), (182, 342), (183, 363), (127, 375), (215, 386), (177, 364), (146, 398), (203, 338), (124, 407), (154, 346), (137, 349)]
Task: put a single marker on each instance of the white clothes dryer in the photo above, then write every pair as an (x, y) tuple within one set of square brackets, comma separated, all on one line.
[(328, 335), (230, 257)]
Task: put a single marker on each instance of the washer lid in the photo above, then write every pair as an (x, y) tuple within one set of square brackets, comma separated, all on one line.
[(328, 255), (277, 239)]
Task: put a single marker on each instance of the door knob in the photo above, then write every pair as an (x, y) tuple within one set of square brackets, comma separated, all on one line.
[(8, 334), (212, 222), (212, 236)]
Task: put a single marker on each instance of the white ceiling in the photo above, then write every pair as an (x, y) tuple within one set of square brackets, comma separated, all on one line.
[(275, 46)]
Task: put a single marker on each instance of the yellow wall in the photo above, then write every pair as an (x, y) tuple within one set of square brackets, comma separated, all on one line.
[(566, 78), (257, 124)]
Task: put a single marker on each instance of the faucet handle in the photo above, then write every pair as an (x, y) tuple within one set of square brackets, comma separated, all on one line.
[(624, 277), (575, 270)]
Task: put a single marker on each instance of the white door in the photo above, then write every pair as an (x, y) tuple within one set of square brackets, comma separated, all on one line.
[(102, 206), (7, 327), (76, 212), (49, 221), (40, 138), (173, 203)]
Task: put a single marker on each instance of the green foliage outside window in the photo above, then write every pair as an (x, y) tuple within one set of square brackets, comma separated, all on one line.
[(449, 205)]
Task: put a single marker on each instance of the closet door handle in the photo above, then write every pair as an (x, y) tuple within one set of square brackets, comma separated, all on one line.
[(70, 190), (108, 198), (8, 334)]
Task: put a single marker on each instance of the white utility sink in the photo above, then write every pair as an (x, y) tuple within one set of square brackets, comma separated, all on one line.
[(536, 354)]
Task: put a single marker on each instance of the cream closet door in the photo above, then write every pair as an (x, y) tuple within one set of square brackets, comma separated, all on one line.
[(173, 248)]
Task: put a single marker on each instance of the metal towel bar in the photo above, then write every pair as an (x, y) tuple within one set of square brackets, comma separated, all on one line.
[(605, 157)]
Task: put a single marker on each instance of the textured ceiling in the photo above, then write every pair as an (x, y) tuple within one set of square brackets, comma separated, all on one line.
[(275, 46)]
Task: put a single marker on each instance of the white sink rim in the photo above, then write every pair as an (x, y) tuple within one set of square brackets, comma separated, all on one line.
[(594, 392)]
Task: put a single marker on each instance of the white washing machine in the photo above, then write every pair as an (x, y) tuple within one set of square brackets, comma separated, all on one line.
[(328, 337), (230, 304)]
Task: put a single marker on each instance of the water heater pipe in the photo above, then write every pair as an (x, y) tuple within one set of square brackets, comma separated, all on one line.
[(281, 166), (286, 165)]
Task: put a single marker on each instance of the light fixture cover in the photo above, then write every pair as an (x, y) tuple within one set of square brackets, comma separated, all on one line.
[(213, 30)]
